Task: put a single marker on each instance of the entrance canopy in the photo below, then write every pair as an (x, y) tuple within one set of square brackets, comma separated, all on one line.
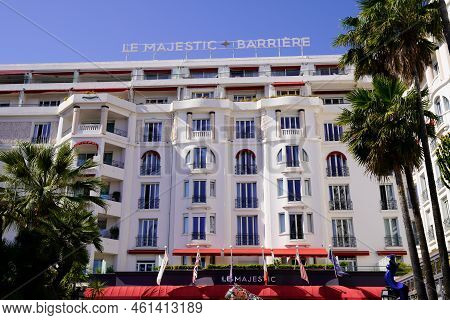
[(252, 252)]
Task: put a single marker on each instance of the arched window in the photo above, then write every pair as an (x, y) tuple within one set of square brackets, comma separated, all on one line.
[(280, 156), (305, 157), (151, 163), (199, 157), (437, 106), (245, 162), (446, 104), (337, 165)]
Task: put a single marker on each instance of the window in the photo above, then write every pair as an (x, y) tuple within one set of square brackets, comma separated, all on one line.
[(41, 133), (185, 224), (203, 95), (279, 156), (246, 196), (292, 156), (343, 235), (145, 265), (310, 222), (340, 197), (349, 263), (212, 188), (280, 189), (327, 70), (186, 189), (293, 92), (147, 233), (337, 165), (245, 162), (162, 100), (435, 67), (296, 226), (290, 123), (151, 163), (199, 227), (200, 157), (244, 97), (157, 75), (423, 188), (237, 73), (99, 266), (388, 201), (333, 132), (205, 73), (392, 236), (305, 157), (445, 210), (338, 100), (294, 190), (4, 104), (49, 103), (247, 231), (245, 129), (285, 71), (444, 99), (149, 196), (83, 157), (201, 125), (152, 131), (212, 223), (199, 191), (307, 187), (282, 222)]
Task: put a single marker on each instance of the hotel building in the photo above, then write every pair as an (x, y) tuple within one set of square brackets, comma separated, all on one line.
[(211, 153)]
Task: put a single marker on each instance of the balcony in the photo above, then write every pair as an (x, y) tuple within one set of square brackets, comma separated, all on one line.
[(329, 72), (247, 240), (40, 139), (341, 205), (201, 134), (145, 241), (88, 128), (150, 170), (338, 172), (114, 163), (344, 242), (243, 203), (430, 232), (199, 199), (110, 246), (151, 138), (148, 203), (115, 196), (292, 163), (292, 132), (198, 236), (393, 241), (390, 204), (244, 169), (119, 132)]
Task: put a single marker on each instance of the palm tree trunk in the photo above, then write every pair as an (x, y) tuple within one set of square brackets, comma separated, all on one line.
[(415, 263), (426, 262), (445, 22), (440, 235)]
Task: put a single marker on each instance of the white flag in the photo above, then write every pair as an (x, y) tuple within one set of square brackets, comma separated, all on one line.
[(195, 271), (162, 268)]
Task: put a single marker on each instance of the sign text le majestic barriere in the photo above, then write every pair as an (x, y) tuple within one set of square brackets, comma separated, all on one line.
[(295, 42)]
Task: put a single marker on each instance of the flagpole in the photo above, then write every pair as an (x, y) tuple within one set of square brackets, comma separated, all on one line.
[(231, 264), (296, 253)]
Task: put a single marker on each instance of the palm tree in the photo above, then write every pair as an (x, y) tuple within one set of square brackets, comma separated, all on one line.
[(392, 37), (445, 22), (95, 289), (443, 156), (379, 137)]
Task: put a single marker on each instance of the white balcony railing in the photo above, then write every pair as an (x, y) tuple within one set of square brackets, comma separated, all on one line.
[(292, 132), (201, 134), (89, 127)]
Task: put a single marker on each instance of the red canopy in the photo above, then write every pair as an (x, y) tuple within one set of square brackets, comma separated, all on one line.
[(395, 252), (286, 84), (218, 292), (193, 252), (247, 252), (304, 252)]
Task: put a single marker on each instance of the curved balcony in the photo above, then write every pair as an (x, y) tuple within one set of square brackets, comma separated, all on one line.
[(245, 169), (244, 203), (150, 170)]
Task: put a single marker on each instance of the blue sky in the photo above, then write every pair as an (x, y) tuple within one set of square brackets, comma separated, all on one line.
[(95, 29)]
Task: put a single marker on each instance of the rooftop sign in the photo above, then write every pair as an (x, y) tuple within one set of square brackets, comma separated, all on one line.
[(212, 45)]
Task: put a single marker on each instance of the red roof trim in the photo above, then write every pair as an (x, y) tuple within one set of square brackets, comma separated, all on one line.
[(395, 252), (165, 71), (47, 91), (106, 72), (203, 86), (193, 252), (244, 88), (100, 90), (218, 292), (351, 253), (52, 73), (286, 84), (146, 251), (9, 91), (12, 72), (86, 142)]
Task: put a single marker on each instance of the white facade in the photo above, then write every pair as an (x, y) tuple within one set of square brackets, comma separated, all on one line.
[(210, 153)]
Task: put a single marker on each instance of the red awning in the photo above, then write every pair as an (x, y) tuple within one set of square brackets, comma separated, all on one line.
[(394, 252), (100, 90), (326, 66), (107, 72), (245, 88), (167, 71), (287, 84), (155, 89), (351, 253), (193, 252), (86, 142), (46, 91), (146, 251), (12, 72), (218, 292), (247, 252), (304, 252), (51, 73), (9, 91)]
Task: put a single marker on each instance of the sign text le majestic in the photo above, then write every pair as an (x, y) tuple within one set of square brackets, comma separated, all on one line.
[(285, 42)]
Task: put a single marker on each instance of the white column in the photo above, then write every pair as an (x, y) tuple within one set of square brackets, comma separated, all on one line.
[(212, 121), (103, 119), (278, 122), (75, 119), (302, 121), (21, 98), (76, 76), (60, 129), (189, 126), (132, 128)]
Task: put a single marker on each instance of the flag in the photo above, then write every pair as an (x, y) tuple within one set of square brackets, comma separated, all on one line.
[(197, 263), (266, 273), (337, 267), (162, 268), (303, 273)]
